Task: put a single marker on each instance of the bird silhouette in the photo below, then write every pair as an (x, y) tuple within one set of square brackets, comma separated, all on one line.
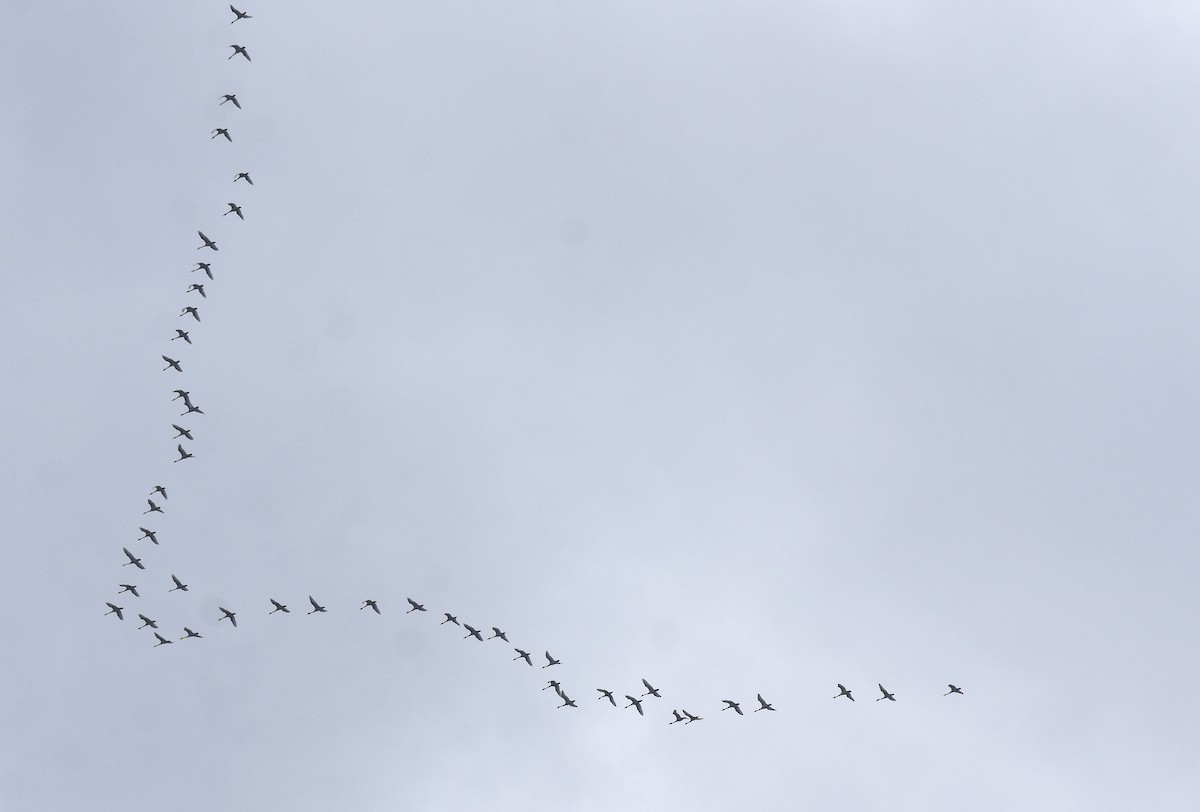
[(243, 176), (147, 622), (472, 632), (568, 702), (227, 614), (650, 689), (230, 97), (763, 705), (180, 393), (523, 655), (550, 661), (678, 717), (193, 312), (129, 588), (238, 49), (370, 603), (691, 717), (172, 363), (182, 432), (113, 609), (153, 507), (416, 607), (137, 562), (180, 586), (199, 289), (954, 689), (607, 695), (183, 455), (316, 606), (886, 695), (190, 409), (241, 15), (189, 633), (449, 619), (635, 703), (159, 489), (147, 534), (181, 334), (162, 641), (844, 692), (207, 242), (203, 266), (555, 684), (234, 208), (279, 607), (729, 703), (497, 633), (219, 131)]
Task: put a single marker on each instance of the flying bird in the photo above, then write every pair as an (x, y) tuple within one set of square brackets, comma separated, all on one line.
[(568, 702), (650, 689), (238, 49), (183, 455), (523, 655), (129, 588), (179, 393), (729, 703), (416, 607), (153, 507), (555, 684), (189, 633), (234, 208), (222, 131), (227, 614), (181, 334), (162, 641), (182, 432), (678, 717), (207, 242), (844, 692), (886, 695), (764, 705), (179, 585), (372, 604), (172, 363), (449, 619), (497, 633), (147, 534), (550, 661), (635, 703), (147, 622), (137, 562), (954, 689), (691, 717), (279, 607), (203, 266), (607, 695), (190, 409), (159, 489), (195, 314), (472, 632), (243, 176), (316, 606), (113, 609), (241, 15), (199, 289), (230, 97)]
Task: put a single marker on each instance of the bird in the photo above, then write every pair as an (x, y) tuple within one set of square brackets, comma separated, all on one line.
[(372, 604), (224, 132), (555, 684), (650, 689), (129, 588), (678, 717), (238, 49), (227, 614), (230, 97), (691, 717), (190, 409), (279, 607), (635, 703), (954, 689), (180, 393), (568, 702), (729, 703), (607, 695), (172, 363), (522, 655), (844, 692), (243, 176), (137, 562), (886, 695), (316, 606), (113, 609), (763, 703), (183, 455), (449, 619), (207, 242), (416, 607), (159, 489), (203, 266), (241, 15), (189, 633), (162, 641), (153, 507), (195, 314), (234, 208), (147, 622), (147, 534), (550, 661), (497, 633), (199, 289), (179, 585), (181, 334), (182, 432), (472, 632)]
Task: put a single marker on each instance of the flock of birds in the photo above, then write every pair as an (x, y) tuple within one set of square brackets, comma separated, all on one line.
[(157, 498)]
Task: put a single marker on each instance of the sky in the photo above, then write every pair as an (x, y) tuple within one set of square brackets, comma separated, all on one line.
[(740, 347)]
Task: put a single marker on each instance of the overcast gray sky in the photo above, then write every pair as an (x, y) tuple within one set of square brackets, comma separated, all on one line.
[(743, 347)]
